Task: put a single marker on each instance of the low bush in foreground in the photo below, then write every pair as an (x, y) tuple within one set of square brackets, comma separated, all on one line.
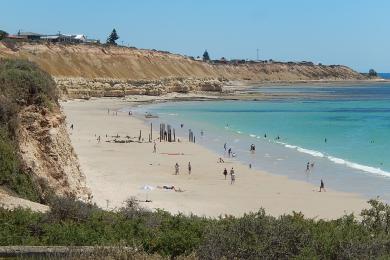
[(253, 236)]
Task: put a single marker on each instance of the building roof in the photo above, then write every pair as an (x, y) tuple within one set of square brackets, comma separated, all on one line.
[(28, 34)]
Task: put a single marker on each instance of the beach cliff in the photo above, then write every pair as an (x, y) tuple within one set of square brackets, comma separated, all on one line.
[(83, 71)]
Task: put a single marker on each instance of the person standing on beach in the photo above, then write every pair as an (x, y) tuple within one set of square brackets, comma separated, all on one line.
[(225, 173), (176, 169), (189, 168), (71, 126), (232, 176), (230, 151), (224, 146), (154, 147), (322, 186), (308, 166)]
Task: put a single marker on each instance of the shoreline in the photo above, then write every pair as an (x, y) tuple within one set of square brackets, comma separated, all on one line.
[(253, 189)]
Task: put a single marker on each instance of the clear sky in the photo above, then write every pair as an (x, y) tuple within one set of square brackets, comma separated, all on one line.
[(351, 32)]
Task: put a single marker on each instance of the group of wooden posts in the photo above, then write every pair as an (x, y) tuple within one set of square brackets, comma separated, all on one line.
[(150, 134), (166, 133)]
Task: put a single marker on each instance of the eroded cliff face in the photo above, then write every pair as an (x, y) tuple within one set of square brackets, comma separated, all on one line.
[(96, 61), (86, 88), (47, 153)]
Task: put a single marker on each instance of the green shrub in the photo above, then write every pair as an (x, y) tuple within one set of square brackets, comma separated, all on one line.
[(22, 83), (253, 236), (10, 173)]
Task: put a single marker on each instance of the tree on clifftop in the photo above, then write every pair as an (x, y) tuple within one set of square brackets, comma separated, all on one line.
[(113, 37), (372, 73), (206, 56), (3, 34)]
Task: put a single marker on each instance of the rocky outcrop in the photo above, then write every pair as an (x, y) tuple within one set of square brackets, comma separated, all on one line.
[(86, 88), (47, 154)]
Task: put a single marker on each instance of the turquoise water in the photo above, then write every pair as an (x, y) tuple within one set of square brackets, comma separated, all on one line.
[(346, 133)]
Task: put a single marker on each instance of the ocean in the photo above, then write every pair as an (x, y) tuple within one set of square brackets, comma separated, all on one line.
[(343, 130)]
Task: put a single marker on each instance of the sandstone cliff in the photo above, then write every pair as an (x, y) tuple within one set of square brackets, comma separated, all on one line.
[(47, 153), (96, 61)]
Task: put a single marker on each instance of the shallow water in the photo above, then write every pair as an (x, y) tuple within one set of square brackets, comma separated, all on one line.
[(346, 133)]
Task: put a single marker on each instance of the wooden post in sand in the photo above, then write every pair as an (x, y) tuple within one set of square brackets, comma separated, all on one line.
[(161, 132), (174, 135), (140, 135), (169, 134)]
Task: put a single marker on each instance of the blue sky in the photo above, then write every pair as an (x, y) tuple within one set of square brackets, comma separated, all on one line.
[(351, 32)]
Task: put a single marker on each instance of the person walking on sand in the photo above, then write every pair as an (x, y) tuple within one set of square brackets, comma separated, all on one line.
[(322, 186), (225, 173), (176, 169), (230, 152), (232, 176), (154, 147), (71, 126), (189, 168), (307, 167), (224, 146)]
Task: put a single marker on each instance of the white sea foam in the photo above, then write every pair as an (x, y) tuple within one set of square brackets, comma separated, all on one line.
[(238, 132), (252, 135), (336, 160), (290, 146), (311, 152), (358, 166)]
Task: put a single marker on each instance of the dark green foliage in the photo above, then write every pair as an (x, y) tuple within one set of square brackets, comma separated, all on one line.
[(372, 73), (21, 84), (206, 56), (112, 38), (10, 174), (253, 236), (3, 34)]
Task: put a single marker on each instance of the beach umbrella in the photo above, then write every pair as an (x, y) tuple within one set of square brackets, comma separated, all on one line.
[(147, 188)]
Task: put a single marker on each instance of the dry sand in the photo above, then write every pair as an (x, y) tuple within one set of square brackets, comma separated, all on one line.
[(115, 172)]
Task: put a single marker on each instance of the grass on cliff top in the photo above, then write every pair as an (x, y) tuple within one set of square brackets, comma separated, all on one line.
[(253, 236), (22, 84)]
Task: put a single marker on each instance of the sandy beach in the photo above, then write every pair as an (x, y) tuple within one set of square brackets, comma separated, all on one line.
[(117, 171)]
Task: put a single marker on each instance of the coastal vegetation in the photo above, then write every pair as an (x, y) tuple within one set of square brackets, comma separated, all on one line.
[(113, 37), (3, 34), (206, 56), (372, 73), (22, 84), (253, 236)]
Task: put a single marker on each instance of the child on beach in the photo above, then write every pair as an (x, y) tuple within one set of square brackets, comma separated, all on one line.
[(225, 173), (322, 186), (232, 176), (176, 169)]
